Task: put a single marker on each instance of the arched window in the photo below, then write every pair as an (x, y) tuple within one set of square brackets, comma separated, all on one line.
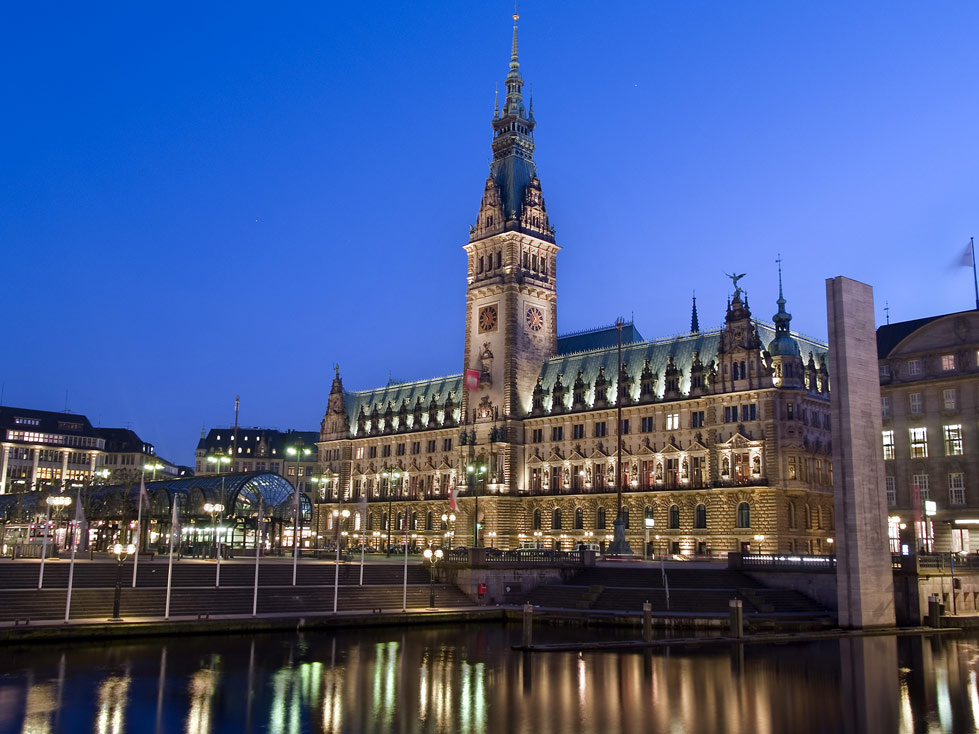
[(647, 514), (384, 521), (370, 521), (700, 517), (792, 515), (414, 521), (579, 519), (600, 519), (819, 518), (556, 520), (744, 515), (625, 517), (428, 521), (808, 518), (537, 519), (674, 519)]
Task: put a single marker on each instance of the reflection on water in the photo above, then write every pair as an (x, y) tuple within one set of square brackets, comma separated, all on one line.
[(467, 680)]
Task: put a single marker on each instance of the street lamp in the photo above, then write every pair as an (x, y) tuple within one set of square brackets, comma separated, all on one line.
[(56, 501), (154, 467), (432, 557), (299, 451), (121, 552), (761, 542), (448, 534), (492, 537), (475, 472), (214, 510), (390, 475)]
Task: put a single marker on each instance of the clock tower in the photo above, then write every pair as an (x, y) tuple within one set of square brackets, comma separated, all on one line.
[(511, 299)]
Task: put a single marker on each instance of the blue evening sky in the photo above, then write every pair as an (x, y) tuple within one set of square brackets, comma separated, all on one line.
[(199, 200)]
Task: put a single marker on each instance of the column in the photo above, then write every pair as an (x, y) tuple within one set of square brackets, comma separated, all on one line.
[(864, 579), (37, 459), (64, 470), (3, 467)]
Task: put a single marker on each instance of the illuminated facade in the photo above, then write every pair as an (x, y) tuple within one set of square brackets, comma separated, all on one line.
[(260, 449), (42, 449), (724, 436), (929, 375)]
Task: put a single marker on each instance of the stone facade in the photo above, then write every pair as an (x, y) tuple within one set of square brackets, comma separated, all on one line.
[(724, 437), (929, 384)]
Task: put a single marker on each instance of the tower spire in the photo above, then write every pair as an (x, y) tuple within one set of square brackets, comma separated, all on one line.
[(694, 321)]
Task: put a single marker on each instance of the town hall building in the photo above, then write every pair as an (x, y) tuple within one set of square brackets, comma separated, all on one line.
[(723, 444)]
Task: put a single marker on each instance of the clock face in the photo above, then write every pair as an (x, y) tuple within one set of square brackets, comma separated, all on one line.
[(487, 319), (535, 319)]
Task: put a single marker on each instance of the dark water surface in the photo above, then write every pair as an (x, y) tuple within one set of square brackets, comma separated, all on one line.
[(467, 680)]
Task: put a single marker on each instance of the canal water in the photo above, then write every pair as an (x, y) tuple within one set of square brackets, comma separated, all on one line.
[(467, 680)]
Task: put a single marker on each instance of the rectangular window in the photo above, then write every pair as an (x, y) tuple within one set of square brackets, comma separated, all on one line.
[(416, 447), (625, 427), (953, 440), (730, 413), (956, 488), (888, 437), (891, 487), (749, 412), (599, 429), (697, 419), (948, 362), (921, 482), (914, 367), (578, 430), (949, 398), (430, 446), (557, 433), (793, 469), (919, 443), (537, 436), (386, 450), (447, 444), (915, 400), (372, 452), (400, 449), (885, 406), (673, 421), (885, 372), (646, 424)]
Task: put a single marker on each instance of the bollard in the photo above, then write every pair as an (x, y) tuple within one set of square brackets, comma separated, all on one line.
[(647, 622), (934, 611), (737, 618), (528, 625)]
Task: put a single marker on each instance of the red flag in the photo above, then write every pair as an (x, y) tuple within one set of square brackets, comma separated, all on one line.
[(472, 379)]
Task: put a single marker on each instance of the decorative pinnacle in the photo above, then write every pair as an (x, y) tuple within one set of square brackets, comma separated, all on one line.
[(496, 103), (779, 261), (514, 60)]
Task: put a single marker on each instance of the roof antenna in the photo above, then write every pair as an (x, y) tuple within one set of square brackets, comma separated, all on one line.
[(66, 400), (887, 311)]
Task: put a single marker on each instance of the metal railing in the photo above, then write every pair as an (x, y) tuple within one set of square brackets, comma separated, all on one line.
[(782, 562)]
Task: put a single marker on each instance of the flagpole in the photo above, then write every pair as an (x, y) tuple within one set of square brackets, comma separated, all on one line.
[(44, 546), (363, 534), (71, 566), (975, 280), (258, 547), (139, 523), (404, 600), (173, 530)]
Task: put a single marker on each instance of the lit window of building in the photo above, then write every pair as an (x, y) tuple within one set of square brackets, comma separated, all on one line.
[(953, 440), (888, 439), (919, 442)]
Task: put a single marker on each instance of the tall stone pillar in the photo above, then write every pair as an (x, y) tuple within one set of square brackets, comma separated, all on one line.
[(864, 579), (4, 467)]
